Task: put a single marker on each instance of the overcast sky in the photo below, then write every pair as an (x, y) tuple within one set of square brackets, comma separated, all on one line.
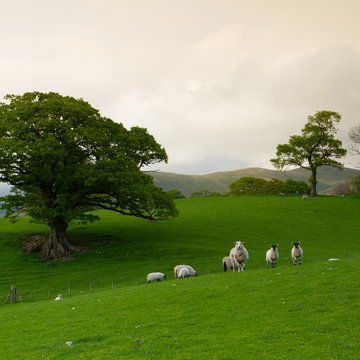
[(219, 83)]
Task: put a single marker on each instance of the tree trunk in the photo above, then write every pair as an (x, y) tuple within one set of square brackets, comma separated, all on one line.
[(313, 182), (57, 246)]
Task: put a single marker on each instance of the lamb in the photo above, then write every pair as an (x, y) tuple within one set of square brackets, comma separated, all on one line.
[(177, 269), (155, 276), (297, 253), (226, 261), (272, 255), (239, 256)]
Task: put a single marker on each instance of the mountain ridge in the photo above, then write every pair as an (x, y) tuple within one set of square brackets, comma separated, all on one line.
[(328, 178)]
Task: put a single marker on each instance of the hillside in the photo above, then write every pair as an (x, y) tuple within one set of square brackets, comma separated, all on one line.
[(328, 178), (108, 312)]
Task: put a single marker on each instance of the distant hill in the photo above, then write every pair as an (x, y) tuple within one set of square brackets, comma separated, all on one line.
[(328, 178)]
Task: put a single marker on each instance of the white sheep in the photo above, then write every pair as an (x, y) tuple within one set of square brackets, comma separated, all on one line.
[(177, 269), (59, 297), (227, 263), (297, 253), (239, 256), (155, 276), (184, 272), (272, 255)]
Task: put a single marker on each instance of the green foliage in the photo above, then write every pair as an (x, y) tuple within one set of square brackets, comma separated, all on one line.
[(259, 186), (355, 183), (176, 194), (315, 147), (63, 159)]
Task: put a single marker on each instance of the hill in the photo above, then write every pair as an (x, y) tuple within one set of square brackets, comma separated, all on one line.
[(328, 178)]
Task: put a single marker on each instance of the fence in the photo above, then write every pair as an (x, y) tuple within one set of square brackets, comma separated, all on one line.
[(21, 293)]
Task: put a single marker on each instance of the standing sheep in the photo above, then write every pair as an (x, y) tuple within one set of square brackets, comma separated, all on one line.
[(272, 255), (227, 264), (155, 276), (297, 253), (239, 256)]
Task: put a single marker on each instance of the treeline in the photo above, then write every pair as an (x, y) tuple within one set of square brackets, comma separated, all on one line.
[(259, 186), (254, 186)]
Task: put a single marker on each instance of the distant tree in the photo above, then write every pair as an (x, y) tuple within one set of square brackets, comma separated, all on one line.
[(344, 188), (200, 193), (64, 159), (292, 187), (176, 194), (354, 135), (247, 185), (316, 146), (355, 184), (250, 185)]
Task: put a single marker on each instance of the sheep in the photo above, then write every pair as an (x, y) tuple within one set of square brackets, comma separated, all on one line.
[(59, 297), (226, 261), (297, 253), (155, 276), (239, 256), (177, 269), (272, 255), (184, 272)]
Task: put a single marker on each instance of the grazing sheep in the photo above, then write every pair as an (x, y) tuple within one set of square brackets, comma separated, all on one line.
[(177, 269), (184, 272), (239, 256), (272, 255), (297, 253), (155, 276)]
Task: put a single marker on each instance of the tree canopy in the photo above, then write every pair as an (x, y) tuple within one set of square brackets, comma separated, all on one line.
[(257, 186), (315, 147), (64, 159)]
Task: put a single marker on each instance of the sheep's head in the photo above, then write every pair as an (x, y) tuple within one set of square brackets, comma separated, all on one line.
[(296, 244), (239, 245), (274, 246)]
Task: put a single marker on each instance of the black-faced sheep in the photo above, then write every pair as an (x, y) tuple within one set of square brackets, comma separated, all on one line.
[(297, 253), (272, 255), (155, 276)]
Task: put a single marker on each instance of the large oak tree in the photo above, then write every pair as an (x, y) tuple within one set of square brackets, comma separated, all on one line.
[(64, 159), (315, 147)]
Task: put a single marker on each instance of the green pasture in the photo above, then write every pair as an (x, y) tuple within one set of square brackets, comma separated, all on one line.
[(109, 312)]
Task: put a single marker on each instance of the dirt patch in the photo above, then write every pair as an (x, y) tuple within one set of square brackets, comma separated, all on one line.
[(33, 243)]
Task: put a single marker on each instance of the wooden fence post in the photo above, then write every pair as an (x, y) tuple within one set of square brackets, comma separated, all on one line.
[(13, 294)]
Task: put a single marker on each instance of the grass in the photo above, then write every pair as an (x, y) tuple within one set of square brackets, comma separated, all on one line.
[(298, 312)]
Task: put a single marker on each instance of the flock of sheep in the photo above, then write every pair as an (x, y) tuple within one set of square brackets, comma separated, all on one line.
[(236, 261)]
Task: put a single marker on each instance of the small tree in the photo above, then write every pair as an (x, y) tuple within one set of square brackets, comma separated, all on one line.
[(64, 159), (316, 146), (354, 135)]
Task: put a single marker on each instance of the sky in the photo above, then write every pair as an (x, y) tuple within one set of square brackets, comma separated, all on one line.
[(218, 83)]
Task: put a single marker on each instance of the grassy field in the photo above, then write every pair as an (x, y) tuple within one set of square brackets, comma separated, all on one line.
[(109, 312)]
